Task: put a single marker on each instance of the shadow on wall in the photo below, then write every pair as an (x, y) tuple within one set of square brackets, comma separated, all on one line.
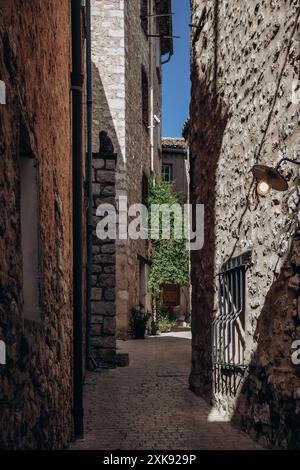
[(269, 403), (102, 118), (210, 115), (205, 152)]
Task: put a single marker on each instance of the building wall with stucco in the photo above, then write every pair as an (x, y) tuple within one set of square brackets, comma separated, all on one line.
[(244, 69), (35, 126)]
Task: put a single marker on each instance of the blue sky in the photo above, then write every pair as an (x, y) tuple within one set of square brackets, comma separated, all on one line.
[(176, 74)]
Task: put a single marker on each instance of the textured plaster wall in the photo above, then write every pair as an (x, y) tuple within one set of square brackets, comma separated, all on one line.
[(36, 382), (244, 63)]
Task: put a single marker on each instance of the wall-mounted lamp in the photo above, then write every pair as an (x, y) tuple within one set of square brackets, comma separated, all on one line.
[(156, 122), (270, 178)]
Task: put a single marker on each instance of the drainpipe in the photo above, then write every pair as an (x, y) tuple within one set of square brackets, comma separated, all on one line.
[(90, 363), (77, 79), (168, 59)]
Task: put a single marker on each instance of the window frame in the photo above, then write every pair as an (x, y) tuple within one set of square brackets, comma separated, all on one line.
[(170, 166), (145, 98), (30, 242), (172, 291), (144, 12)]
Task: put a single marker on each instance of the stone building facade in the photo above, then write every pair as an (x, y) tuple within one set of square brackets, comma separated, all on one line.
[(128, 43), (244, 111), (36, 280), (175, 165), (175, 169)]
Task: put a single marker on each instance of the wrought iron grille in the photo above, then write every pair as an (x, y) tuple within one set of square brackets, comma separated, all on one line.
[(228, 329)]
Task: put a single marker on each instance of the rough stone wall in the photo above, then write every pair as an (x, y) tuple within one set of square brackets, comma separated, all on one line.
[(103, 295), (36, 382), (108, 56), (268, 403), (137, 135), (120, 49), (244, 63)]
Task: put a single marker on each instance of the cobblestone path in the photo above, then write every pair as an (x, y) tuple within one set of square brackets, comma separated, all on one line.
[(148, 405)]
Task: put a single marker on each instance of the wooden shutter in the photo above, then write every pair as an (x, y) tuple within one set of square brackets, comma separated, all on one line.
[(172, 295)]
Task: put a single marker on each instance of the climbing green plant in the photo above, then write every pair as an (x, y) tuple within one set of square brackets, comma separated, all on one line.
[(170, 257)]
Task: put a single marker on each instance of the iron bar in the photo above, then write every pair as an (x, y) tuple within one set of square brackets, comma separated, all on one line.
[(157, 16), (285, 159), (228, 327), (195, 26), (162, 36)]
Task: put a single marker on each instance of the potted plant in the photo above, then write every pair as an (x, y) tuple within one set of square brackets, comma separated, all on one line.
[(154, 328), (139, 320), (165, 323)]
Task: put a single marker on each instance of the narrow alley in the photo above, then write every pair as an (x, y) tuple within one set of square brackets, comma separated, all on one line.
[(149, 228), (148, 405)]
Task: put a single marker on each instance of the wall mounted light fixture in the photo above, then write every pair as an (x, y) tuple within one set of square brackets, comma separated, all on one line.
[(270, 178)]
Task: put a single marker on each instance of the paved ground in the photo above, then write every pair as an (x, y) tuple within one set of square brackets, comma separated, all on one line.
[(148, 405)]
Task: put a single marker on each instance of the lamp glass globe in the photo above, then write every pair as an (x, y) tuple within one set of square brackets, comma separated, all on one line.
[(263, 188)]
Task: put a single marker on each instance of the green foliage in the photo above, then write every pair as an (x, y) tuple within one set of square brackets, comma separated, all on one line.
[(163, 311), (170, 257), (161, 192), (165, 324)]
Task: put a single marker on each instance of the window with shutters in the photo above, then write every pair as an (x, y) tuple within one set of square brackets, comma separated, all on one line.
[(29, 218), (145, 98), (145, 195), (158, 59), (166, 173), (144, 16), (145, 189), (171, 295)]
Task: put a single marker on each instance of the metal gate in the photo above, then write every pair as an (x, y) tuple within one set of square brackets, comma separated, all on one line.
[(228, 329)]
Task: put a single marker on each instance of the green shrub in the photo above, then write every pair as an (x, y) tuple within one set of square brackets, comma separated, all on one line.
[(165, 324), (170, 257)]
